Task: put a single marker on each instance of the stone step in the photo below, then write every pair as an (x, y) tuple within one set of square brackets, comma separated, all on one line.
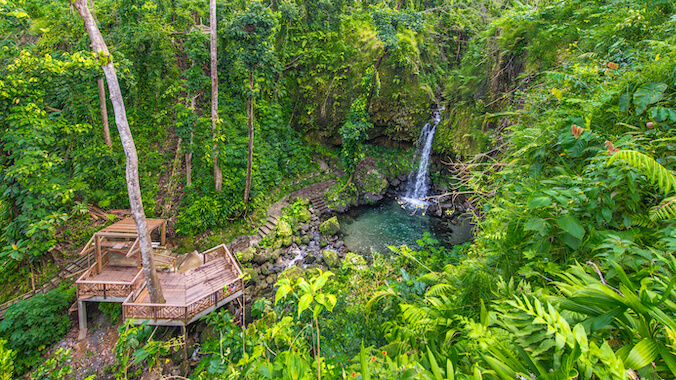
[(265, 230), (270, 226)]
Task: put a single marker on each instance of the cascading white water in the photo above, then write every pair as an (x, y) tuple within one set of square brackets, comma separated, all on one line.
[(417, 186)]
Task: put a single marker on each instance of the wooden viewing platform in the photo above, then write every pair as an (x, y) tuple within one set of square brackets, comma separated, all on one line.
[(117, 276)]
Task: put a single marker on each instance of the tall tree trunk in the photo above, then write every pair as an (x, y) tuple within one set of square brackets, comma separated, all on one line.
[(133, 188), (218, 174), (249, 161), (104, 112), (188, 155)]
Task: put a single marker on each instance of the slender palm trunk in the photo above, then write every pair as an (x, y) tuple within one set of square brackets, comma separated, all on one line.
[(249, 162), (133, 188)]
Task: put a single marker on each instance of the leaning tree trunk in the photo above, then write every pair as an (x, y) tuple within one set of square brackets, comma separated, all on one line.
[(249, 161), (99, 46), (218, 174)]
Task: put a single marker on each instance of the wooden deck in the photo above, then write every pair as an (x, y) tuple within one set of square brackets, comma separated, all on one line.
[(116, 278)]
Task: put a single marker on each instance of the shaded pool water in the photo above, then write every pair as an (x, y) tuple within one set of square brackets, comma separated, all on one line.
[(372, 229)]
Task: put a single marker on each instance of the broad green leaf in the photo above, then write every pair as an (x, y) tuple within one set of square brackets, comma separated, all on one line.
[(624, 102), (304, 302), (643, 353), (435, 366), (282, 291), (648, 94), (536, 224), (538, 202), (571, 225)]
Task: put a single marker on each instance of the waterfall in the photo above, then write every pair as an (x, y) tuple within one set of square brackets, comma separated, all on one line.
[(418, 180)]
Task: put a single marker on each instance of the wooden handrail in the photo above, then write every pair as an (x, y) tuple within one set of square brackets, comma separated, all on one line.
[(104, 282), (132, 250), (87, 246)]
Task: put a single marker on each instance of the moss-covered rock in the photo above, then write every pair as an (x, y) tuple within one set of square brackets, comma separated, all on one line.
[(304, 215), (330, 258), (353, 261), (330, 227), (287, 241), (293, 273), (252, 273), (246, 255), (372, 186), (460, 132), (283, 229), (305, 239)]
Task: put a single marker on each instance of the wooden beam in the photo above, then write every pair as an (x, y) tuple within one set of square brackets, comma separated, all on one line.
[(163, 234), (99, 265), (82, 319)]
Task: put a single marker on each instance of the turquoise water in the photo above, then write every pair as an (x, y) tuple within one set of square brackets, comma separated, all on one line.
[(372, 229)]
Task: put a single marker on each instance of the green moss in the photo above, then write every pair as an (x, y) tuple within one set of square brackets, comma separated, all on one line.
[(460, 132), (246, 255), (373, 182), (341, 196), (283, 229), (330, 227), (330, 258)]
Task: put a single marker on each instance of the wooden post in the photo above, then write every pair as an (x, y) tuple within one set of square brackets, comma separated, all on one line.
[(99, 265), (82, 319), (185, 350), (163, 234)]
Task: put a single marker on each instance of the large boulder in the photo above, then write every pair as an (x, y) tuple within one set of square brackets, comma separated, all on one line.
[(304, 215), (330, 227), (246, 255), (252, 273), (191, 261), (330, 258), (292, 273), (373, 186), (283, 229)]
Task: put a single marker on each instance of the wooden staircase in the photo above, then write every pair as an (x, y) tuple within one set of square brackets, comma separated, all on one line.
[(269, 227), (319, 205)]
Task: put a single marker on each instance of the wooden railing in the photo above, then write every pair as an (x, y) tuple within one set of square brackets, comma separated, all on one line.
[(221, 251), (185, 313), (89, 288)]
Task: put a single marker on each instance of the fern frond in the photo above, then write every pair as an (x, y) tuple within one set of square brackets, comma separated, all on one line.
[(440, 289), (642, 221), (665, 210), (655, 172)]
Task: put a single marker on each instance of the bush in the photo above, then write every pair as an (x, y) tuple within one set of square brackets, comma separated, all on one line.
[(36, 323)]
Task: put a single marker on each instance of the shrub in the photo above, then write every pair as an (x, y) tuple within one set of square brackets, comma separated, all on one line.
[(35, 323)]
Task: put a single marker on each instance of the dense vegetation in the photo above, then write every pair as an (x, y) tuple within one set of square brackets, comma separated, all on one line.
[(559, 128)]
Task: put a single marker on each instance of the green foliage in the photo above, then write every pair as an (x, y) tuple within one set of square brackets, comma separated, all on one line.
[(32, 325), (56, 367), (388, 21), (136, 346), (112, 310), (6, 361), (250, 32), (353, 132)]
